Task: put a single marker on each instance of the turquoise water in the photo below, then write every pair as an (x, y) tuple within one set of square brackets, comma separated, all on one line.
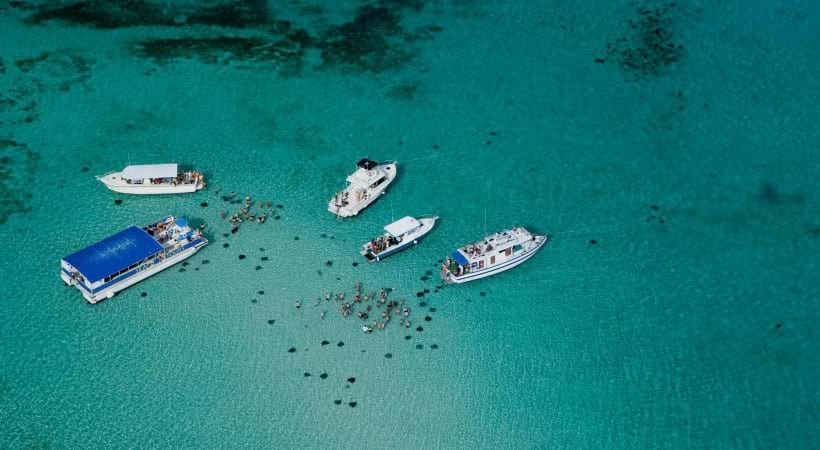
[(692, 324)]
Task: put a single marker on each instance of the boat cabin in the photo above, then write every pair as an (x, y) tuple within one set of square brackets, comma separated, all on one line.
[(116, 257), (150, 174)]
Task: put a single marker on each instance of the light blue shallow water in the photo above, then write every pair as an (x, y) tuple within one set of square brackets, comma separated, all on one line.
[(693, 325)]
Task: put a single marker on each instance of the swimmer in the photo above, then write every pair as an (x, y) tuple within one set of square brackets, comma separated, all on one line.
[(298, 304)]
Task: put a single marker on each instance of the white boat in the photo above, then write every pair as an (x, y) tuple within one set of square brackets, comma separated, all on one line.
[(494, 254), (132, 255), (365, 185), (399, 235), (153, 179)]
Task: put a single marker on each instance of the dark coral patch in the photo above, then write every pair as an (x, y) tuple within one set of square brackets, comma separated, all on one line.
[(111, 14), (650, 47)]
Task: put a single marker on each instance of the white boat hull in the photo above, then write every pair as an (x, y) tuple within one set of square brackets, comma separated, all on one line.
[(110, 291), (117, 184), (351, 210), (502, 267), (409, 240)]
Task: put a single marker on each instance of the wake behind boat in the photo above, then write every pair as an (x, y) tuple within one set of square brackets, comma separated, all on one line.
[(153, 179), (132, 255), (494, 254), (365, 185), (398, 236)]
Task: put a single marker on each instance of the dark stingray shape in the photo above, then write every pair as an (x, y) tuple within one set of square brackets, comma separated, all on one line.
[(427, 318), (292, 350), (307, 374), (419, 346), (419, 329), (118, 202), (388, 355), (338, 402), (204, 204), (340, 344), (351, 380), (271, 321), (325, 342), (352, 404), (260, 292), (226, 245), (242, 256), (323, 376), (433, 346), (258, 268), (143, 294)]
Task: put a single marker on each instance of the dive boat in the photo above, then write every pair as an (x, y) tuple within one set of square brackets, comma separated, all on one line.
[(132, 255), (491, 255), (365, 185), (153, 179), (399, 235)]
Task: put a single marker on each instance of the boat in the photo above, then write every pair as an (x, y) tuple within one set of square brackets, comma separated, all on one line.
[(153, 179), (365, 185), (493, 254), (398, 235), (130, 256)]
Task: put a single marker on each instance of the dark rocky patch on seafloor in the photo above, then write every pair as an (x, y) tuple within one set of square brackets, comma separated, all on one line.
[(373, 40), (18, 164), (650, 47)]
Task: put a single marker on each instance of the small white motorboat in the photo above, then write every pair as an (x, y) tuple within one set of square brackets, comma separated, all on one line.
[(398, 236), (365, 185), (491, 255), (153, 179)]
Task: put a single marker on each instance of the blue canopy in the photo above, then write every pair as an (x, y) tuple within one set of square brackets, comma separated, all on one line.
[(113, 253), (459, 258)]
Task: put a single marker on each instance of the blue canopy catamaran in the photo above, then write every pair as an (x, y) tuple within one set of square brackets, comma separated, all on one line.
[(132, 255)]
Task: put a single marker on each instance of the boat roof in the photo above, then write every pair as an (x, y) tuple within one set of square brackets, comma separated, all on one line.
[(459, 258), (402, 226), (150, 171), (367, 164), (113, 253)]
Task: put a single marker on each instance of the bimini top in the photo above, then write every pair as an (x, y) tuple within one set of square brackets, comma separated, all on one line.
[(150, 171), (367, 164), (402, 226), (113, 253), (459, 258)]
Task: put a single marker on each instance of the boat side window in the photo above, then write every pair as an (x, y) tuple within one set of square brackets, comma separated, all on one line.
[(481, 264), (492, 259), (516, 248), (106, 279), (508, 251), (378, 182)]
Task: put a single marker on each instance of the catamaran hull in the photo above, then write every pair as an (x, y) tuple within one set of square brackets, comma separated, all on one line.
[(110, 291), (148, 189), (477, 275)]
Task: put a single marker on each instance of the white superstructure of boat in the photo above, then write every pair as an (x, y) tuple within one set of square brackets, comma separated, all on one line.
[(153, 179), (398, 236), (491, 255), (365, 185), (132, 255)]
